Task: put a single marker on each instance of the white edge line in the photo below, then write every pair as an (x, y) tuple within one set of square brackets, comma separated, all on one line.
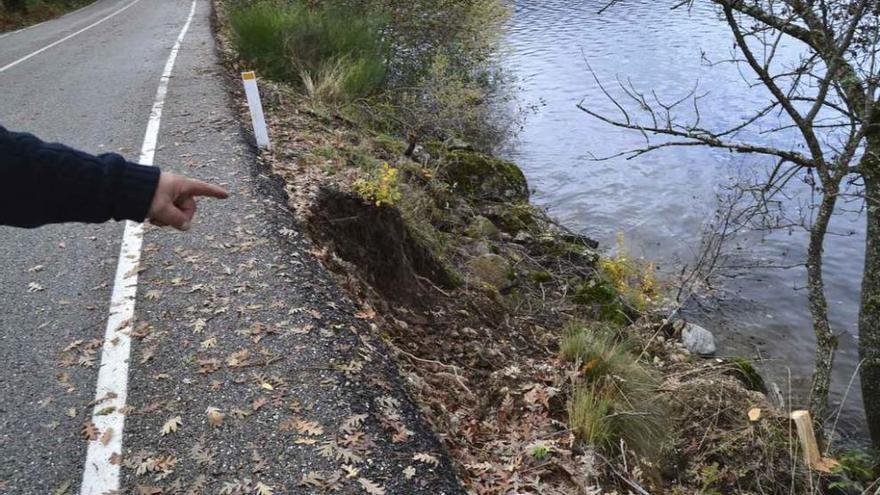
[(101, 471), (62, 40)]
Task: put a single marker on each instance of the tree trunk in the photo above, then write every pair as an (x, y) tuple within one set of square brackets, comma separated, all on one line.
[(826, 342), (869, 313)]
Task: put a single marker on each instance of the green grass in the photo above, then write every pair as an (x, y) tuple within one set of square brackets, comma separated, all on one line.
[(614, 398), (333, 53)]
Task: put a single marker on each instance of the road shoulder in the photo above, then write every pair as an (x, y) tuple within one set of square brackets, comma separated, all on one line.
[(250, 368)]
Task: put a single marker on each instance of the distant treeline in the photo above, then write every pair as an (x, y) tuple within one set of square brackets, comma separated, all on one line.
[(18, 13)]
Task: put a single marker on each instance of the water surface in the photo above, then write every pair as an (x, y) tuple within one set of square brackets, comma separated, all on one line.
[(661, 201)]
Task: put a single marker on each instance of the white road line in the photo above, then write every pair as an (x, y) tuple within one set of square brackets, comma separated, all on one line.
[(101, 471), (62, 40)]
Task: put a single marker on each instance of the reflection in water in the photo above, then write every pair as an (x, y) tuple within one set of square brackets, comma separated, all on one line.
[(660, 201)]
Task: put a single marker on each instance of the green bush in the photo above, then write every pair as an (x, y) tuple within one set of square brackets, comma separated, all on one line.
[(333, 52)]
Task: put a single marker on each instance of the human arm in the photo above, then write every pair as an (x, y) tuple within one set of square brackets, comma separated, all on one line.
[(43, 183)]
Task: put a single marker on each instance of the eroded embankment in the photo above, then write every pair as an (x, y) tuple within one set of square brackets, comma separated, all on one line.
[(538, 362)]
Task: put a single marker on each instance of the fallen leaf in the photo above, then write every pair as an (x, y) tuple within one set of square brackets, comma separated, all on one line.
[(263, 489), (754, 414), (89, 432), (258, 403), (171, 425), (426, 458), (215, 416), (371, 487), (107, 436), (409, 472)]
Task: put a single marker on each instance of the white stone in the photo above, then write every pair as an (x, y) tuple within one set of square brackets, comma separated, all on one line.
[(698, 340)]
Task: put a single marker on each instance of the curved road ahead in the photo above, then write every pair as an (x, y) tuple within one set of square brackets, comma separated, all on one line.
[(235, 315)]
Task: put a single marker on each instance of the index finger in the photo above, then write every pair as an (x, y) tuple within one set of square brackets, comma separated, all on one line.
[(193, 187)]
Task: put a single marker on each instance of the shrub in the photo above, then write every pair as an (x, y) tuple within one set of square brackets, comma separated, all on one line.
[(633, 279), (382, 188), (614, 398)]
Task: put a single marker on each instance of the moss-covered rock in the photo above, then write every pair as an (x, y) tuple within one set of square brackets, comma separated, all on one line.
[(512, 217), (482, 176), (482, 228), (493, 270)]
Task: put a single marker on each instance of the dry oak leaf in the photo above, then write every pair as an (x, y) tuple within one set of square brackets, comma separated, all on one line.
[(153, 295), (215, 416), (258, 403), (89, 432), (263, 489), (426, 458), (350, 471), (409, 472), (312, 479), (353, 423), (199, 325), (171, 425), (308, 427), (107, 436), (371, 487)]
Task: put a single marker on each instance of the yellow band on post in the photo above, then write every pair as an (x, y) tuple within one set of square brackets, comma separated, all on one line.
[(247, 76)]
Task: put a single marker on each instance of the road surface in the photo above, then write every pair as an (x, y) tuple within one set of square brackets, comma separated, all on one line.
[(247, 369)]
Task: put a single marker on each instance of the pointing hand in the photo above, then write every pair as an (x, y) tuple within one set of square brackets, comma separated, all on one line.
[(174, 202)]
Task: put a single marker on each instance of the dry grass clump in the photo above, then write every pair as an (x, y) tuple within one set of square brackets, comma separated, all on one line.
[(614, 398)]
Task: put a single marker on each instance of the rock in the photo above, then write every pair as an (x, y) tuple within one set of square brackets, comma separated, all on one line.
[(485, 177), (493, 270), (420, 154), (523, 237), (482, 228), (453, 144), (480, 248), (698, 340)]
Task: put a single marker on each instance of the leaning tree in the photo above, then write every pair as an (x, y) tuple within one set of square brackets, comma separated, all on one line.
[(826, 101)]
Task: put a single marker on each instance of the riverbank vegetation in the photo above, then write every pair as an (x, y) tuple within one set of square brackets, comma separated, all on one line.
[(818, 132), (543, 366), (16, 14)]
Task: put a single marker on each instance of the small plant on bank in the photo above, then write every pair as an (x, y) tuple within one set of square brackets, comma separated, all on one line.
[(382, 188), (614, 397), (632, 278)]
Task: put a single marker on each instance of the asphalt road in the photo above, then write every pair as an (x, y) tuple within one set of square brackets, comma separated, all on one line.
[(235, 315)]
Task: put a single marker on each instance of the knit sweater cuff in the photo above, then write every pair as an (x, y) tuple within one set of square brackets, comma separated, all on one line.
[(134, 197)]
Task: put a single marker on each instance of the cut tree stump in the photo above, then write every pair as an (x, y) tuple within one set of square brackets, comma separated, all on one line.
[(807, 436)]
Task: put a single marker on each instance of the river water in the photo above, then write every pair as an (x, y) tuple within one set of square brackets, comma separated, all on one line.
[(661, 201)]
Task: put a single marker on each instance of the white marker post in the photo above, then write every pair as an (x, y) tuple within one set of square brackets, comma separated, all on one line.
[(256, 107)]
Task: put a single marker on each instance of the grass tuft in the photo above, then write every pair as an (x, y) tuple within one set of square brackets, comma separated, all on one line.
[(332, 53), (614, 398)]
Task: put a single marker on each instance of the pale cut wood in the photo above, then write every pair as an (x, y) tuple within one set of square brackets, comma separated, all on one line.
[(807, 437)]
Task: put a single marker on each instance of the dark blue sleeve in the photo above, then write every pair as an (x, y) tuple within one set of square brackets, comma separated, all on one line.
[(42, 183)]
